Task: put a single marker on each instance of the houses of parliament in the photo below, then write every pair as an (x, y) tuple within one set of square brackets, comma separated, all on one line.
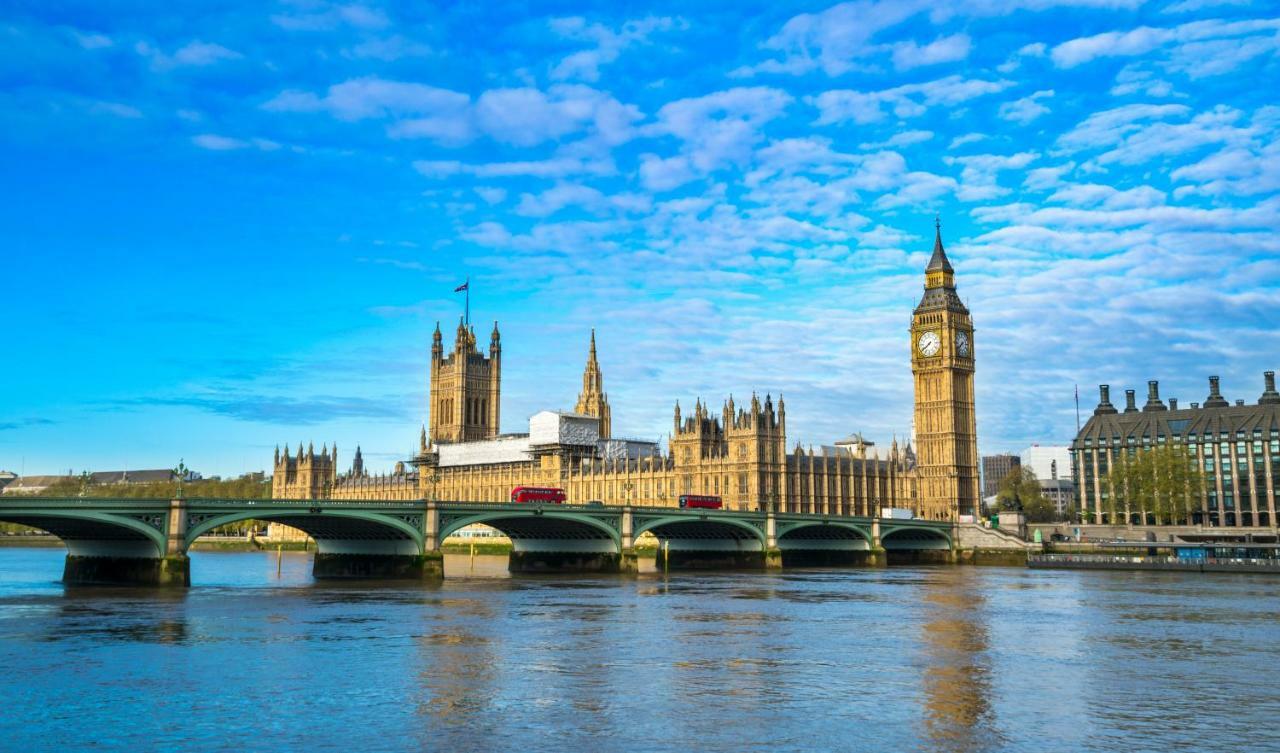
[(738, 453)]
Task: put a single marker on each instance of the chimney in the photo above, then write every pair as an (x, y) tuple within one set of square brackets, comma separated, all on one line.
[(1104, 401), (1269, 395), (1153, 397), (1130, 402), (1215, 399), (1173, 403)]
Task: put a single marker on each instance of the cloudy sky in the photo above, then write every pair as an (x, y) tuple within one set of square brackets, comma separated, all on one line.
[(236, 224)]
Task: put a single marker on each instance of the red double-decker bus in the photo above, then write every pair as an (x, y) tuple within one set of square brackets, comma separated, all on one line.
[(699, 500), (537, 494)]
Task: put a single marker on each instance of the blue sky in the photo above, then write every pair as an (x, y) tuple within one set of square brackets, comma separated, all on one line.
[(235, 224)]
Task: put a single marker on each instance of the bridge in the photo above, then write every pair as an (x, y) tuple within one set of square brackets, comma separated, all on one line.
[(142, 541)]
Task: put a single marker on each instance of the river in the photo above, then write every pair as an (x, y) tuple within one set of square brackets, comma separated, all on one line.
[(926, 658)]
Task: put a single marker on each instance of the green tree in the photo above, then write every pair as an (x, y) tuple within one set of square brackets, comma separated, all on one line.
[(1160, 482), (1019, 490)]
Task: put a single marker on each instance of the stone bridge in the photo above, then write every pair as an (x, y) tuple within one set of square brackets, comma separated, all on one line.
[(142, 541)]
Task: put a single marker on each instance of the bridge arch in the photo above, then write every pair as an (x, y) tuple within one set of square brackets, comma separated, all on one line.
[(541, 530), (335, 530), (911, 538), (704, 533), (826, 534), (91, 533)]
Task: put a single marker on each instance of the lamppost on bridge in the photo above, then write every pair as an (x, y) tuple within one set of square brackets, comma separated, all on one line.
[(181, 473), (434, 479)]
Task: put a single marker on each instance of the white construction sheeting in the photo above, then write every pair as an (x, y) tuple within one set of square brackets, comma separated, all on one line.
[(552, 428), (511, 449), (631, 449)]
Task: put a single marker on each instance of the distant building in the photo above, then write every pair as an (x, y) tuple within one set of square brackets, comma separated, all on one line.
[(1048, 462), (994, 469), (1060, 491), (133, 478), (6, 477), (1236, 446), (32, 484)]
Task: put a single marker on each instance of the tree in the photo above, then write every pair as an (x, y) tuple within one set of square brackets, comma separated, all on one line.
[(1020, 491), (1160, 482)]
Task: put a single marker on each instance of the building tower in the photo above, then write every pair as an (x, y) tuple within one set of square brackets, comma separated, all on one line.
[(593, 401), (942, 361), (309, 475), (465, 387)]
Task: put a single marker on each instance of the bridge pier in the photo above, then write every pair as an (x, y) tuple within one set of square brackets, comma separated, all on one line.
[(83, 570), (564, 562), (342, 565)]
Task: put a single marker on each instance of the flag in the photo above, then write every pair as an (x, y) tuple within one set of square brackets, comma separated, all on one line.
[(464, 286)]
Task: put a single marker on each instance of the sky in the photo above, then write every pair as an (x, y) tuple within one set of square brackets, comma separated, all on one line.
[(231, 225)]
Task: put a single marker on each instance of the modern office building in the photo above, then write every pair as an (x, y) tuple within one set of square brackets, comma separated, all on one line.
[(994, 469), (1048, 462), (1235, 445)]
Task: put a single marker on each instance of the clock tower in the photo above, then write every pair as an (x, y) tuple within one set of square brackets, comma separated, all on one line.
[(942, 362)]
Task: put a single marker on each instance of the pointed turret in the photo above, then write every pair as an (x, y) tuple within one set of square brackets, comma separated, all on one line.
[(592, 401), (939, 273)]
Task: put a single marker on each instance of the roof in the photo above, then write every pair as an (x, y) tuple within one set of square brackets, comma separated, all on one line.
[(939, 259), (132, 477), (34, 482), (1181, 423)]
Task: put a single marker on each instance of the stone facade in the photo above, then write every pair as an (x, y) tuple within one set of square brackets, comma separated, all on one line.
[(942, 361), (738, 453)]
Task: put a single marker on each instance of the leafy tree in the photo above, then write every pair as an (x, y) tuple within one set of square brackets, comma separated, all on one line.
[(248, 486), (1160, 482), (1020, 490)]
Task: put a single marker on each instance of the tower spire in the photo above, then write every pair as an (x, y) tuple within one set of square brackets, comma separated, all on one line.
[(592, 401)]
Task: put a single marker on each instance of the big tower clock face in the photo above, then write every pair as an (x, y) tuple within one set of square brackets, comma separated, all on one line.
[(929, 343), (962, 344)]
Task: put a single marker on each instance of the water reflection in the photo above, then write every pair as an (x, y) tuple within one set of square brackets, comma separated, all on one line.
[(957, 672), (948, 659)]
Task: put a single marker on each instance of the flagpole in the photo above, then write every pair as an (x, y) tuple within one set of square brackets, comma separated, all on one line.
[(468, 304), (1077, 410)]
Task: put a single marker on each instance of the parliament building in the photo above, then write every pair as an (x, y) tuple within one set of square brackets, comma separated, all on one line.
[(738, 453)]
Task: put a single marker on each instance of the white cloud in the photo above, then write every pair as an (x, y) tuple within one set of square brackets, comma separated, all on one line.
[(589, 199), (555, 167), (1027, 109), (387, 49), (330, 16), (1135, 134), (908, 55), (117, 109), (968, 138), (527, 116), (1134, 79), (1189, 6), (902, 138), (715, 131), (1084, 195), (214, 142), (908, 100), (192, 54), (839, 39), (609, 44), (980, 172), (665, 173), (90, 40), (491, 194), (1259, 37)]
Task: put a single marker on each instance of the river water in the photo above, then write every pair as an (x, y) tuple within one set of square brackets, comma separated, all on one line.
[(941, 658)]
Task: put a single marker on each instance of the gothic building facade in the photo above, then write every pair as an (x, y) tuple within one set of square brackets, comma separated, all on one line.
[(738, 453)]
